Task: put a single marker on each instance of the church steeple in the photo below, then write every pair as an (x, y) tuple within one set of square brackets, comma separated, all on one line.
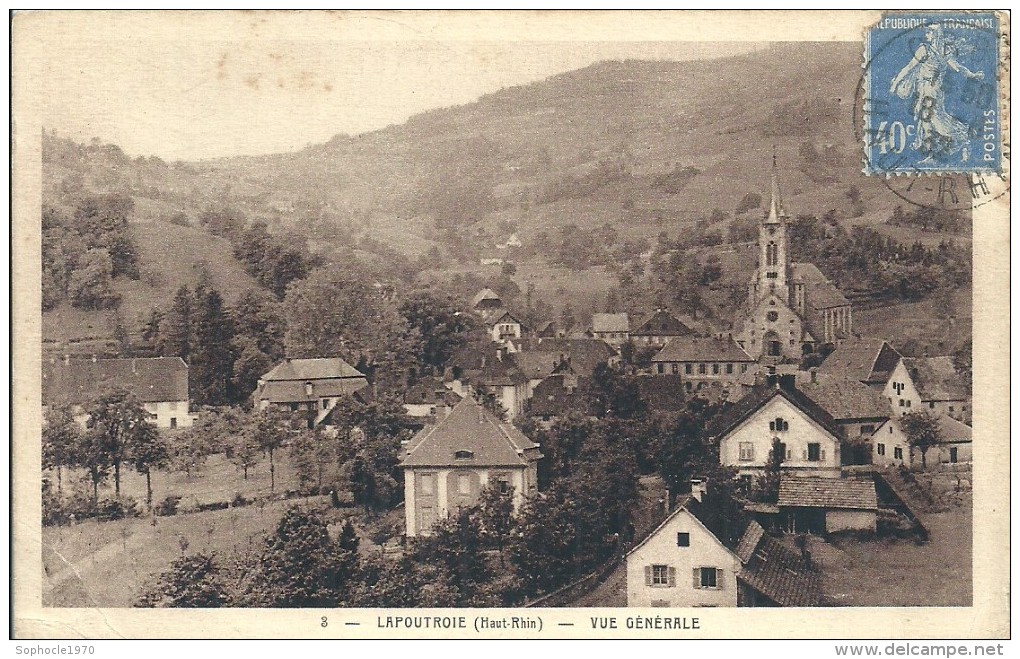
[(772, 276), (776, 213)]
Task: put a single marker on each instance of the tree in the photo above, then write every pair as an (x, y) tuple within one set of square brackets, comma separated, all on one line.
[(496, 515), (90, 285), (148, 451), (211, 357), (768, 482), (270, 428), (61, 438), (923, 431), (117, 421), (541, 546), (175, 328), (443, 328), (194, 581), (301, 566)]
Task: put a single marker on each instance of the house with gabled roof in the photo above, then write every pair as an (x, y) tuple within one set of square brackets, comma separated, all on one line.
[(314, 386), (659, 328), (704, 363), (485, 300), (160, 384), (877, 364), (695, 558), (503, 326), (613, 328), (940, 387), (808, 436), (447, 465)]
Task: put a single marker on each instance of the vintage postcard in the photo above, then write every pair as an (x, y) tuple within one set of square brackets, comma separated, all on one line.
[(511, 325)]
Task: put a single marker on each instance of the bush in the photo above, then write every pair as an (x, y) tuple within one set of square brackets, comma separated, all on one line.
[(111, 509), (168, 506), (215, 505), (239, 501)]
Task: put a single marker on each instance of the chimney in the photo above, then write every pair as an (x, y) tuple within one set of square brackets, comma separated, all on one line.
[(788, 382), (698, 488)]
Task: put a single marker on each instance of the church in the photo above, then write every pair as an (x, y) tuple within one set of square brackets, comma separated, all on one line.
[(792, 308)]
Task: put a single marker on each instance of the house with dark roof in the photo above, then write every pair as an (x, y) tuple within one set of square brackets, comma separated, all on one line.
[(808, 436), (877, 364), (429, 398), (827, 505), (160, 384), (940, 388), (486, 300), (485, 367), (447, 465), (659, 328), (556, 396), (311, 385), (582, 356), (502, 326), (705, 363), (613, 328), (691, 560)]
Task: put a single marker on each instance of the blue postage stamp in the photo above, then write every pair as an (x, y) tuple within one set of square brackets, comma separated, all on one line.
[(931, 96)]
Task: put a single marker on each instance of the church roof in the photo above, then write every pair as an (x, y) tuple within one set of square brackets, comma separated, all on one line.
[(820, 292)]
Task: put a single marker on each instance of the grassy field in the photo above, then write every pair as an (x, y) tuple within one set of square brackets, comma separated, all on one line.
[(902, 572), (934, 328), (108, 563), (218, 480)]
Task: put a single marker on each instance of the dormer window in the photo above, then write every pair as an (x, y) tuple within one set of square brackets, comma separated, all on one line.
[(463, 455)]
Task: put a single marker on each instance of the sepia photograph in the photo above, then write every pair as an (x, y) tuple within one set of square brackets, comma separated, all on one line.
[(407, 316)]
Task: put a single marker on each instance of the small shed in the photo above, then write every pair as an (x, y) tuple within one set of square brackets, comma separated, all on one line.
[(827, 505)]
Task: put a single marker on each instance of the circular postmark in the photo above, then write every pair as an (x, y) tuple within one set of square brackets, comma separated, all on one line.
[(882, 120)]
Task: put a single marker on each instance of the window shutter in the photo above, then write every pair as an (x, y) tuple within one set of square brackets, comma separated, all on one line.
[(718, 578), (823, 454), (805, 454), (672, 577), (648, 575), (697, 577)]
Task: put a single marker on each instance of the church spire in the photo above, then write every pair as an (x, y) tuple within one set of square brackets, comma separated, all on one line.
[(776, 212)]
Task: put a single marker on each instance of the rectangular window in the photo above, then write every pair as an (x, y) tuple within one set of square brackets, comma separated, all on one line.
[(715, 369), (662, 369), (173, 422), (707, 577), (814, 452), (683, 539), (701, 369), (676, 369), (743, 368), (660, 575), (325, 403), (898, 453), (881, 449), (747, 451), (931, 405), (428, 484), (729, 369), (688, 368), (902, 403), (463, 484), (908, 404)]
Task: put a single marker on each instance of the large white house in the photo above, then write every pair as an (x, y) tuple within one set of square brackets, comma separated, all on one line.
[(448, 464)]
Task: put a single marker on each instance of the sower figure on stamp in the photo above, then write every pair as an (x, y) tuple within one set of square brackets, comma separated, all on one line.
[(923, 80)]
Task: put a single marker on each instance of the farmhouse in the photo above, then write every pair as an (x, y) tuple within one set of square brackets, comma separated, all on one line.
[(877, 364), (448, 464), (311, 385), (159, 383), (939, 386)]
